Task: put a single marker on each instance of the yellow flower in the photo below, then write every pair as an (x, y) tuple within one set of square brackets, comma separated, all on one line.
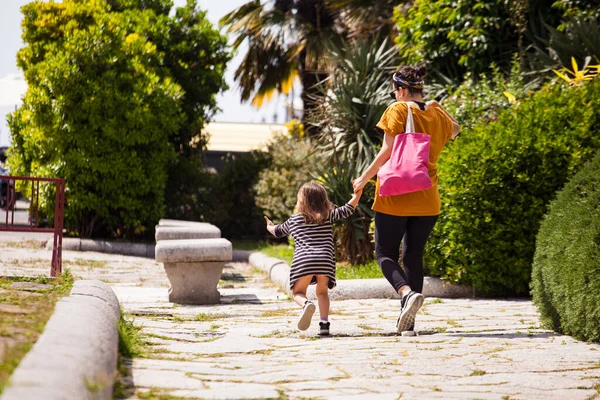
[(511, 98)]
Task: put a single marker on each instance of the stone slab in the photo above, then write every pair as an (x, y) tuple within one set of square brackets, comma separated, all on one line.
[(106, 246), (178, 222), (193, 250), (76, 356), (206, 231)]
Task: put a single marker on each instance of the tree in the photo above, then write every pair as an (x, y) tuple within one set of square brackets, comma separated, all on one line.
[(285, 41), (289, 39), (455, 37), (111, 104)]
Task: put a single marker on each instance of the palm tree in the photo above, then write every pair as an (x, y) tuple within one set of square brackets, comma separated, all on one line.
[(289, 39), (368, 18), (285, 41)]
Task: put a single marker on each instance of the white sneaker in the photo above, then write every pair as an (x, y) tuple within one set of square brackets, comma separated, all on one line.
[(410, 306), (306, 315)]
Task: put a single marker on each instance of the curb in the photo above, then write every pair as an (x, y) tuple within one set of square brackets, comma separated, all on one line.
[(76, 356), (347, 289), (104, 246)]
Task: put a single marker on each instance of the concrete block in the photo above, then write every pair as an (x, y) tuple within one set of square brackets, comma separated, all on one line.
[(194, 282), (206, 231), (73, 244), (193, 250), (194, 267)]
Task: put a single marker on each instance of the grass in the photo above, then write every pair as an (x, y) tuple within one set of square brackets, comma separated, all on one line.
[(285, 252), (369, 270), (208, 317), (130, 338), (24, 329)]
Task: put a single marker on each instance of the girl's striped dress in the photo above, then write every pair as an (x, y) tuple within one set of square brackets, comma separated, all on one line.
[(314, 252)]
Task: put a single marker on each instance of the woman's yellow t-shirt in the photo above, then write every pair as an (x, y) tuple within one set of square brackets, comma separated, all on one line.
[(434, 122)]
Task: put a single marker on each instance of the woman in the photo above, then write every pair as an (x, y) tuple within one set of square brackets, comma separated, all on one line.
[(407, 218)]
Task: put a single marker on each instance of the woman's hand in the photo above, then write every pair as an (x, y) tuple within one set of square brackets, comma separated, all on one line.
[(358, 184)]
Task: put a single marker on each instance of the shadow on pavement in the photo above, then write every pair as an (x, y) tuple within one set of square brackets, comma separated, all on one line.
[(540, 335), (239, 299)]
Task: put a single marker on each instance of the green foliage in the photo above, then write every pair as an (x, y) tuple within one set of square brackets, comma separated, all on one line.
[(566, 266), (480, 100), (352, 100), (130, 339), (109, 104), (277, 187), (454, 37), (579, 38), (496, 181), (368, 270)]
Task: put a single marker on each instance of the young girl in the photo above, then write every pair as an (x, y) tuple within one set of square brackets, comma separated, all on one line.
[(314, 254)]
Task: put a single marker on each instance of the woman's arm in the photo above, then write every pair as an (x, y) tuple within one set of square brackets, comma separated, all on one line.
[(383, 155)]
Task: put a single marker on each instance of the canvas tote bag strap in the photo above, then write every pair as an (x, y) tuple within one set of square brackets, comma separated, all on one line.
[(410, 123)]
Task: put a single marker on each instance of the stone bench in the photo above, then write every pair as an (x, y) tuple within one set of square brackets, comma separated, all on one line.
[(194, 267), (204, 231), (179, 222)]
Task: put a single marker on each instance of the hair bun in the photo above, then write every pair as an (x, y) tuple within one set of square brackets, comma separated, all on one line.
[(421, 71)]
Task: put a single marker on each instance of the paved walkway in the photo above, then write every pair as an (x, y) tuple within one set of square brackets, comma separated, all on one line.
[(247, 347)]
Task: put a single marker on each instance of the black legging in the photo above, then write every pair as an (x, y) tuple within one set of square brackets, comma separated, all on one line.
[(413, 232)]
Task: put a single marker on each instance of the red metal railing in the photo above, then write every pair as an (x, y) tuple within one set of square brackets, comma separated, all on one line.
[(34, 202)]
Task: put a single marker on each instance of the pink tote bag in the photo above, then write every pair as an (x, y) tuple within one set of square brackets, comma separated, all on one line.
[(407, 170)]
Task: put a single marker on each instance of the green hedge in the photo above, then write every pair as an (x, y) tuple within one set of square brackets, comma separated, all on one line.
[(566, 266), (496, 182)]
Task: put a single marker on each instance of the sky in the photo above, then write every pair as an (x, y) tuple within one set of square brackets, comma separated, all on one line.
[(13, 86)]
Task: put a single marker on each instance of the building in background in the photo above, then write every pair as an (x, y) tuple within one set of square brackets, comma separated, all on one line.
[(237, 138)]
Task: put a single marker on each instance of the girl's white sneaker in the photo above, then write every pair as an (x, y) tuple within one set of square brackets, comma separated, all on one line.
[(306, 316)]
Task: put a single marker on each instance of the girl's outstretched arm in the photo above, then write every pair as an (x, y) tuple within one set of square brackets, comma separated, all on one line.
[(355, 198), (347, 209), (270, 226), (281, 230)]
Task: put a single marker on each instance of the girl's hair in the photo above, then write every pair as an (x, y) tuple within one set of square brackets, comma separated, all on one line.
[(411, 78), (313, 203)]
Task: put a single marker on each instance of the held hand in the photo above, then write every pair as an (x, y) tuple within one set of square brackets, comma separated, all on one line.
[(358, 184)]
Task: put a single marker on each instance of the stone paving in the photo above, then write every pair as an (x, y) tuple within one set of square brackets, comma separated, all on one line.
[(247, 347)]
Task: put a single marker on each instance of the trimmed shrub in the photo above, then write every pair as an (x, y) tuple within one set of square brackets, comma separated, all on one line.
[(496, 182), (566, 266)]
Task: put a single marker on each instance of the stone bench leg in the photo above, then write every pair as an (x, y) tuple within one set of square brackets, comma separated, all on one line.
[(194, 282)]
